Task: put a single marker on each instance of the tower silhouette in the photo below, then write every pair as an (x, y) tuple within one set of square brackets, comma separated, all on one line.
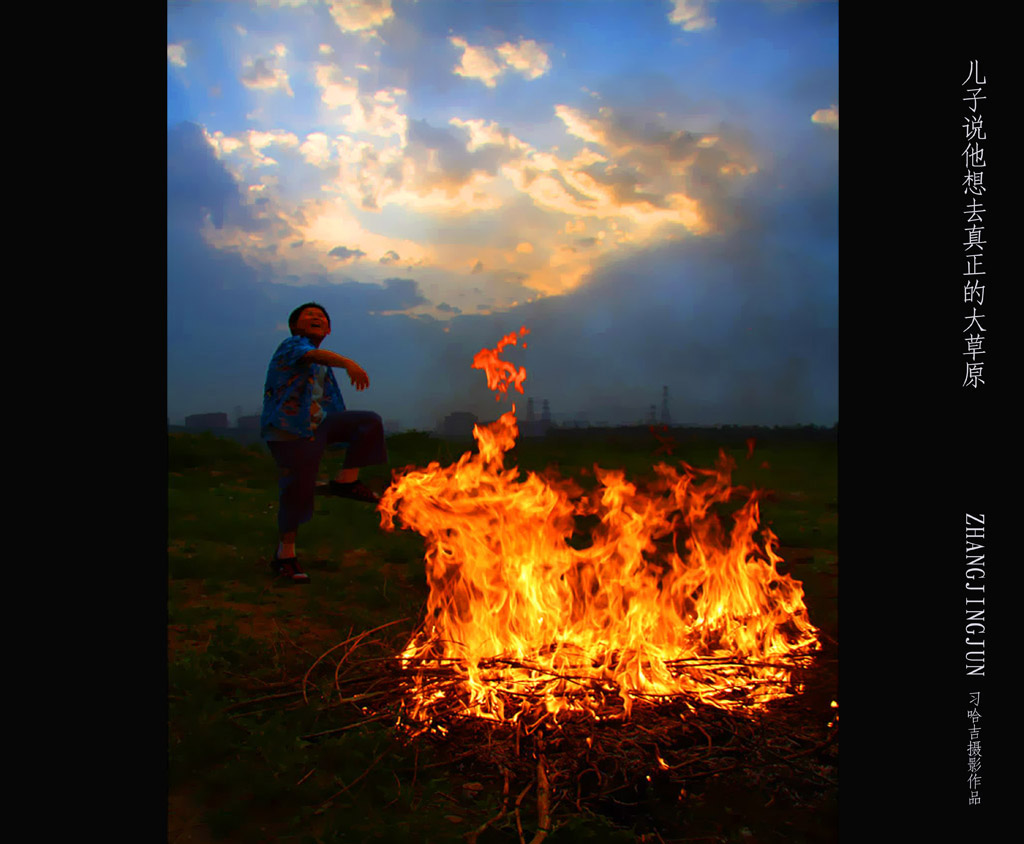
[(545, 411), (666, 418)]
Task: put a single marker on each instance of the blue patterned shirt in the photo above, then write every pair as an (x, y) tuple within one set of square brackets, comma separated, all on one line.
[(293, 403)]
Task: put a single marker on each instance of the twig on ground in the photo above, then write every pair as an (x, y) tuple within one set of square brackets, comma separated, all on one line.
[(241, 703), (519, 822), (471, 837), (362, 635), (323, 733), (543, 796)]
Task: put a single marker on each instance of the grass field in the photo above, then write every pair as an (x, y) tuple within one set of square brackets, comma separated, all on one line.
[(245, 762)]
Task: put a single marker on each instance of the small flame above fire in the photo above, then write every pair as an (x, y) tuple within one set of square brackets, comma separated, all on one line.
[(523, 616)]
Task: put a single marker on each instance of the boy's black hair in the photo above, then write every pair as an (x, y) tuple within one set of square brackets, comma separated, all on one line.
[(294, 318)]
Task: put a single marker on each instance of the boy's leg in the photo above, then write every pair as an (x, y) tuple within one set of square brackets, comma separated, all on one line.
[(363, 432), (297, 464), (286, 545)]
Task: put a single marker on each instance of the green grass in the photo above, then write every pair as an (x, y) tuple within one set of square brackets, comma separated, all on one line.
[(237, 633)]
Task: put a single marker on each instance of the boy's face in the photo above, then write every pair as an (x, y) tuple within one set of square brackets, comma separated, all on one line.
[(313, 323)]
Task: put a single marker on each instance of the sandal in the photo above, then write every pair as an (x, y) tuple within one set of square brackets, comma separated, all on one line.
[(356, 490), (289, 569)]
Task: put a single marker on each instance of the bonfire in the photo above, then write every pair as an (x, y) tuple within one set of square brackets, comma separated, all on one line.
[(530, 624), (627, 654)]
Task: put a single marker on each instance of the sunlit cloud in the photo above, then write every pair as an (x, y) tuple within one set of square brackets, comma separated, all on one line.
[(176, 55), (222, 144), (260, 141), (631, 186), (526, 57), (691, 15), (476, 63), (316, 149), (827, 117), (378, 115), (324, 224), (361, 16), (579, 125), (262, 73), (336, 89)]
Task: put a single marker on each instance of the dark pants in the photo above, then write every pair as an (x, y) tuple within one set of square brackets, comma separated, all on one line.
[(298, 461)]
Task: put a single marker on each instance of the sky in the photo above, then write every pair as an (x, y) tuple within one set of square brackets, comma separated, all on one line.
[(649, 186)]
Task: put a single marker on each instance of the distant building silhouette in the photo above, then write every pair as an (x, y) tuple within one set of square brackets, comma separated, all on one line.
[(532, 426), (458, 424), (666, 418), (206, 421), (249, 423)]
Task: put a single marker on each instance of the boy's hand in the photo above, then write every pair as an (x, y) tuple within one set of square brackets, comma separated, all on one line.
[(357, 375)]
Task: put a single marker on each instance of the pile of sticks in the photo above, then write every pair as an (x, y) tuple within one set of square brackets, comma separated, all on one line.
[(578, 760)]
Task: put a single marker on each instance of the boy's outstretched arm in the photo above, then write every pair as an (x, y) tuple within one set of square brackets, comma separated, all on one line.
[(355, 372)]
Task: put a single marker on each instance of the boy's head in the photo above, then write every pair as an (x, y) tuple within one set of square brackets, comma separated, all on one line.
[(311, 318)]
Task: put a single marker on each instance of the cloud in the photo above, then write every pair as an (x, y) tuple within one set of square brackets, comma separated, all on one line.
[(576, 123), (316, 149), (449, 309), (259, 141), (378, 115), (435, 173), (395, 295), (176, 55), (540, 221), (362, 16), (645, 172), (197, 183), (336, 90), (346, 254), (526, 58), (476, 63), (263, 74), (691, 15), (827, 117)]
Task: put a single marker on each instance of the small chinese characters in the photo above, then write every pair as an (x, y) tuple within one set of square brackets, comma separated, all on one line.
[(974, 245), (974, 750)]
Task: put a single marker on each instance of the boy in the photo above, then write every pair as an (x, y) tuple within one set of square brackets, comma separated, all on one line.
[(303, 413)]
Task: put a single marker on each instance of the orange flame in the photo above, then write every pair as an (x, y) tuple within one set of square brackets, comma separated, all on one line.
[(521, 614)]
